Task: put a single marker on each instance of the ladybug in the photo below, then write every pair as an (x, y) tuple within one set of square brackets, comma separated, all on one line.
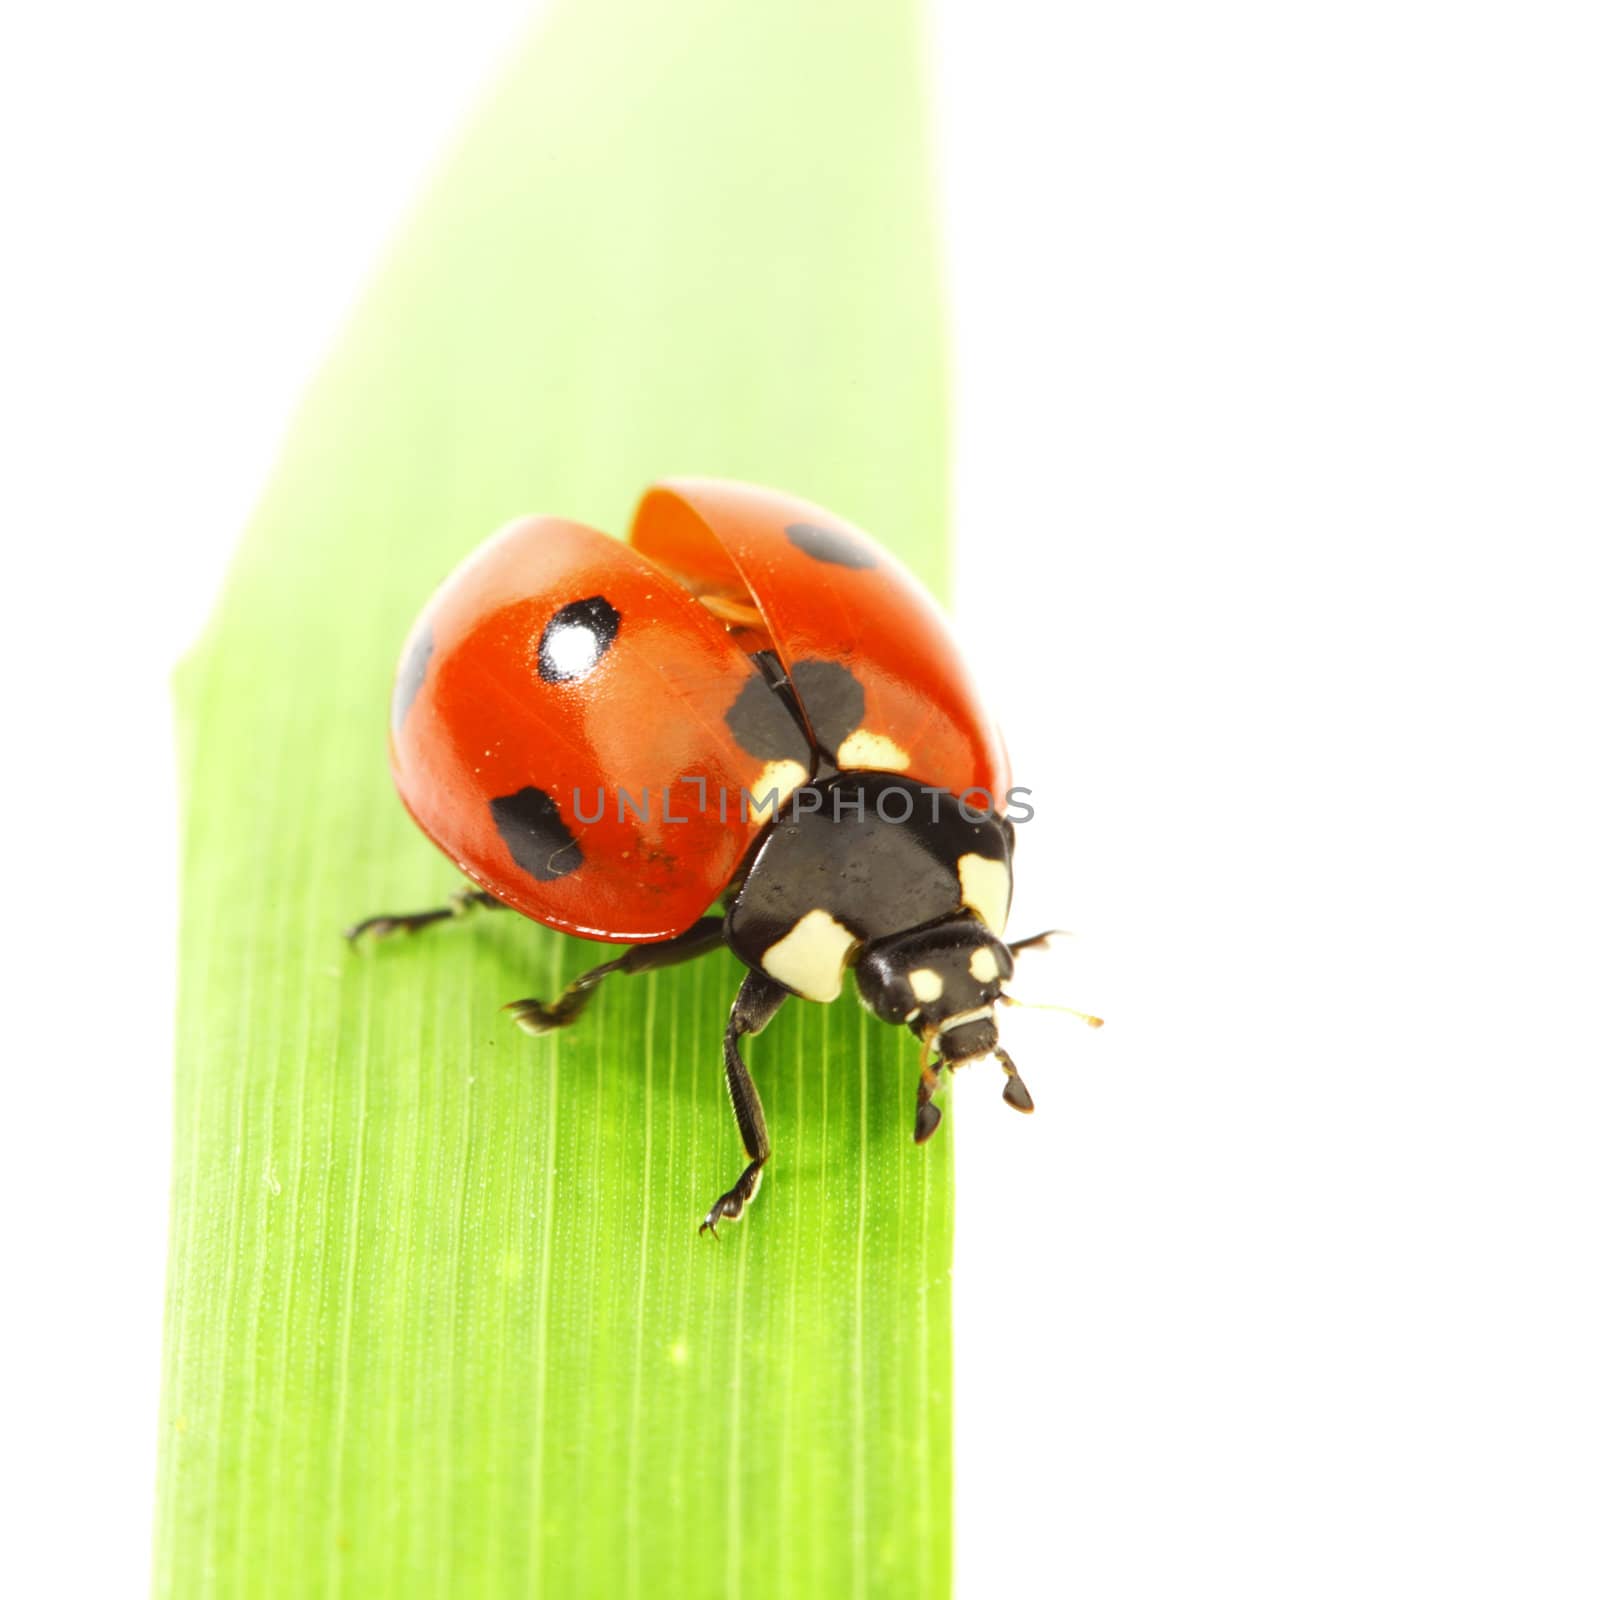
[(749, 703)]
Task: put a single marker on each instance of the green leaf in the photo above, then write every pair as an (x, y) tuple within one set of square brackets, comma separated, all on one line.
[(440, 1321)]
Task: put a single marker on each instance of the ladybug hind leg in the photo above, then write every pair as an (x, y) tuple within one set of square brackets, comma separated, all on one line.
[(392, 922), (754, 1007), (541, 1016)]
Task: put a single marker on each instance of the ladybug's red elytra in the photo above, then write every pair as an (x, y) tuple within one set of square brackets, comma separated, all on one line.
[(749, 702)]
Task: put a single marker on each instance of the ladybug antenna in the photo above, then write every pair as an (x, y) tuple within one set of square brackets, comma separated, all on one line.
[(1045, 1005)]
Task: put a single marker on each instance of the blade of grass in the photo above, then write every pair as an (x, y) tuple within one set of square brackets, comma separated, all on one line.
[(439, 1319)]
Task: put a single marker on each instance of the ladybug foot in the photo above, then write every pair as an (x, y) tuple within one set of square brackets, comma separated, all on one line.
[(536, 1017), (929, 1116), (381, 927), (540, 1016), (730, 1207), (1016, 1095), (1016, 1091), (389, 923)]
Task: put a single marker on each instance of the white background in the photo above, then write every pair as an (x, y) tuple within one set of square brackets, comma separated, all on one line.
[(1277, 347)]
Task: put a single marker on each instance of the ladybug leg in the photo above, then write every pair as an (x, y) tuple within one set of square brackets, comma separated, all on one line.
[(929, 1116), (1038, 941), (1016, 1091), (753, 1008), (539, 1016), (461, 902)]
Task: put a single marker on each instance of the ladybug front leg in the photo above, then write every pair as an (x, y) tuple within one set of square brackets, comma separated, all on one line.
[(1016, 1091), (929, 1115), (753, 1008), (540, 1016), (461, 902)]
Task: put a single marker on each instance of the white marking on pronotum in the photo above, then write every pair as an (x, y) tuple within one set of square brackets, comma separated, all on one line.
[(978, 1014), (985, 888), (810, 957), (778, 780), (960, 1019), (926, 984), (875, 751), (984, 966)]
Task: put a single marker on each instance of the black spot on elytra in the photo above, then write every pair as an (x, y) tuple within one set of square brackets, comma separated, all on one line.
[(539, 841), (763, 719), (834, 701), (833, 545), (408, 680), (575, 639)]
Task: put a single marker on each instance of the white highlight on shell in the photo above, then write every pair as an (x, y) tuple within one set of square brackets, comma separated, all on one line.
[(779, 778), (810, 957), (984, 966), (926, 984), (985, 889), (873, 751), (571, 649)]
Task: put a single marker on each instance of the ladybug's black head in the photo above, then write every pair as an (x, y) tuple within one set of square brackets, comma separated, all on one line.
[(943, 982)]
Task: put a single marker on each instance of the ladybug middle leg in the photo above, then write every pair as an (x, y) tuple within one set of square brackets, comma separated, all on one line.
[(540, 1016), (753, 1008)]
